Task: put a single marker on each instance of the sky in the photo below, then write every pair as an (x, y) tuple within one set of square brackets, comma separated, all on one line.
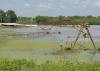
[(32, 8)]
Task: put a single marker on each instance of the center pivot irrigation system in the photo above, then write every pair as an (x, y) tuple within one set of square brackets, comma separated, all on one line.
[(84, 26), (83, 29)]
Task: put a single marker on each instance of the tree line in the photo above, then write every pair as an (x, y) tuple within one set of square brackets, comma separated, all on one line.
[(10, 17), (67, 20)]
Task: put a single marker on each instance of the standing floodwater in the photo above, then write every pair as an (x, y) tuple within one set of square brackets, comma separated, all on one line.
[(55, 33), (42, 44)]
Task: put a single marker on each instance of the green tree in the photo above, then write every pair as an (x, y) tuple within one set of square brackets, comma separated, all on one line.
[(42, 19), (11, 16), (2, 16)]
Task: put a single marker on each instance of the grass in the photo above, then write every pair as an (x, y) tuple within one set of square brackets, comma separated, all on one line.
[(28, 49), (34, 44), (43, 44), (24, 65)]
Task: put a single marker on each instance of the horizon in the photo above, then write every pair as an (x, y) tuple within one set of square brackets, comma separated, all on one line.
[(31, 8)]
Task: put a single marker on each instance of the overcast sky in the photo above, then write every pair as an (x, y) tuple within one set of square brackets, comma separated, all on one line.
[(32, 8)]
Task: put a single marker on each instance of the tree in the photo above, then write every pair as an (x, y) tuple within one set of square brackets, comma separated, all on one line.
[(2, 16), (41, 19), (11, 16)]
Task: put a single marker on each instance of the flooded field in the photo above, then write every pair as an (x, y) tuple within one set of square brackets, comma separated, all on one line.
[(41, 44)]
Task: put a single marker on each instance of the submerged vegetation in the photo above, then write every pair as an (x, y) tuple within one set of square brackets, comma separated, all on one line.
[(18, 54)]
